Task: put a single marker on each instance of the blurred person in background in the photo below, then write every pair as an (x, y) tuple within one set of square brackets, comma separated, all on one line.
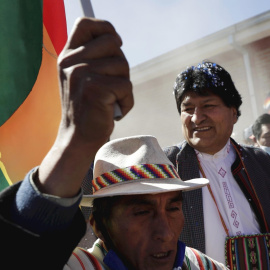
[(261, 132), (248, 137)]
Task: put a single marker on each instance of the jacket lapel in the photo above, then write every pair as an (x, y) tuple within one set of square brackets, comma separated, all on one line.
[(187, 166)]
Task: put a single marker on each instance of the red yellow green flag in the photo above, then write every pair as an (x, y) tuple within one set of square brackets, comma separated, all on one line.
[(29, 97)]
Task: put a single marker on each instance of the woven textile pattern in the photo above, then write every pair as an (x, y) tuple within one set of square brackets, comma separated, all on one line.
[(137, 172)]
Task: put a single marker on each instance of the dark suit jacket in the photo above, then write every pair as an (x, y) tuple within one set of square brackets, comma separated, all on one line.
[(257, 163)]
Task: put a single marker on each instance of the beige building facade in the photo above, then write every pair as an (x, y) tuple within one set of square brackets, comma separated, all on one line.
[(243, 49)]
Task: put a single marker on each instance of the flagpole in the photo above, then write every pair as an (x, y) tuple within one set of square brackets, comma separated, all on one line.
[(87, 8), (89, 12)]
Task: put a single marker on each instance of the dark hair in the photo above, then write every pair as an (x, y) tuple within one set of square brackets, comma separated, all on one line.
[(204, 79), (257, 126), (101, 211)]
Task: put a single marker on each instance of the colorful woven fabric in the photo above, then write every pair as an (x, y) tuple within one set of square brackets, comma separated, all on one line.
[(248, 186), (143, 171), (81, 259), (194, 259), (95, 259), (248, 252)]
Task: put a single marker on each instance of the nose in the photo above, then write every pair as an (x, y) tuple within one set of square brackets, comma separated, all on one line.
[(198, 116), (162, 228)]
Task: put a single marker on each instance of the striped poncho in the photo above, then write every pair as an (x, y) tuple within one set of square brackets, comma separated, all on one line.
[(92, 259)]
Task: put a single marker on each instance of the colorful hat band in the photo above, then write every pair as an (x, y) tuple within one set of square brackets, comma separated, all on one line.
[(137, 172)]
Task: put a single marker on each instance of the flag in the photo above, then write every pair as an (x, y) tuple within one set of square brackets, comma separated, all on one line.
[(20, 43), (266, 103), (32, 35)]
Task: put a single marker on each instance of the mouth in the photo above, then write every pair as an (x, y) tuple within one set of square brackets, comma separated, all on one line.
[(200, 129), (161, 255)]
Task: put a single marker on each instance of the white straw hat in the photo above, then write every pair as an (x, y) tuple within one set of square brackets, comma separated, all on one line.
[(135, 165)]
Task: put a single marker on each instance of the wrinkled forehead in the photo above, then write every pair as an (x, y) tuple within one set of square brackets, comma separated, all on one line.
[(149, 199)]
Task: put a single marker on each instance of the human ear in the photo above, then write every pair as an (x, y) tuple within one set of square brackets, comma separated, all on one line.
[(235, 115), (95, 227)]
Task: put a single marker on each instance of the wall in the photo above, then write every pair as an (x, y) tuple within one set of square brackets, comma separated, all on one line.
[(155, 111)]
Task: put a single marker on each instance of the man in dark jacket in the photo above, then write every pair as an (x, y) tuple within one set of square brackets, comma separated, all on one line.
[(93, 76), (237, 200), (137, 194)]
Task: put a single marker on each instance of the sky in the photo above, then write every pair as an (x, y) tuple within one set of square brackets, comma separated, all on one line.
[(150, 28)]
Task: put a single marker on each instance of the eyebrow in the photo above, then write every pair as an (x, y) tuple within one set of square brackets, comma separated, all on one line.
[(178, 198), (188, 103)]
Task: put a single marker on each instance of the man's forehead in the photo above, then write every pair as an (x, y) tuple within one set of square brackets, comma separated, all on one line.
[(266, 128), (151, 198), (192, 95)]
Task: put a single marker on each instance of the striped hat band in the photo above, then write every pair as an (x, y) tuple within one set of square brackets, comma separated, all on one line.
[(136, 172)]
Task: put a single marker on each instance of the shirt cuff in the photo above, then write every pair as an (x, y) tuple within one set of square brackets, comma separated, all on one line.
[(40, 213), (61, 201)]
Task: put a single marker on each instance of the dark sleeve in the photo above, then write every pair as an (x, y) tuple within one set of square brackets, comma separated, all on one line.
[(23, 249), (39, 212)]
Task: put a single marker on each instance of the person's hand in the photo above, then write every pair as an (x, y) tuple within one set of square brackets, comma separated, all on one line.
[(93, 75)]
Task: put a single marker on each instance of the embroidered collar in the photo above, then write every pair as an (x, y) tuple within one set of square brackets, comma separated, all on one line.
[(219, 156)]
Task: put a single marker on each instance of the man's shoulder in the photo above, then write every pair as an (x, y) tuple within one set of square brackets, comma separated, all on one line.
[(252, 151), (194, 259), (175, 148), (172, 151), (90, 259), (183, 147)]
